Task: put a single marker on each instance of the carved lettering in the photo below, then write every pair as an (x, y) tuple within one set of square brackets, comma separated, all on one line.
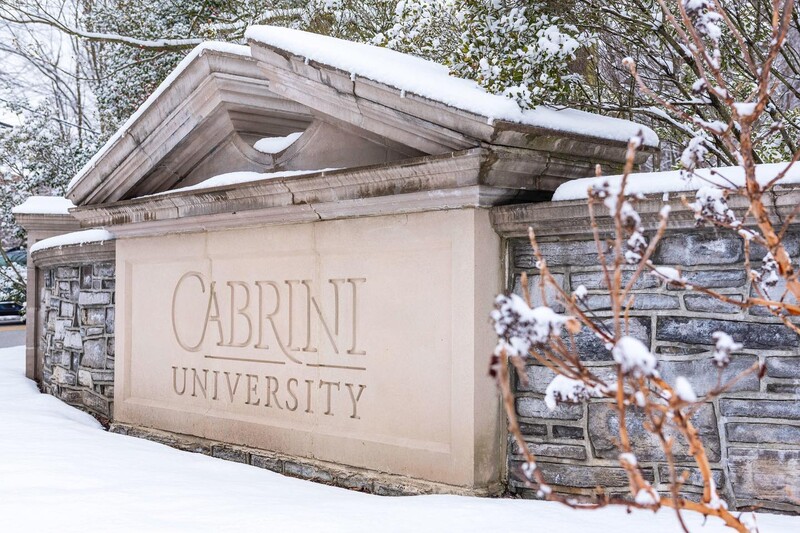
[(291, 324), (309, 382), (181, 342), (282, 312), (269, 317), (216, 381), (328, 384), (272, 392), (291, 393), (291, 283), (215, 317), (232, 389), (240, 311), (252, 388), (354, 283), (196, 382), (313, 301), (355, 397), (175, 380), (335, 283)]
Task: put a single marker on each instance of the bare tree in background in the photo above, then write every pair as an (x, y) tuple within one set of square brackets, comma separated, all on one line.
[(625, 256), (642, 29)]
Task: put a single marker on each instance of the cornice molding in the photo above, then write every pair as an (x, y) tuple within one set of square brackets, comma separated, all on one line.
[(74, 254), (570, 219)]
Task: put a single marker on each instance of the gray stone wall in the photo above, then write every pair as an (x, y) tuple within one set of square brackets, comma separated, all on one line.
[(752, 433), (77, 338)]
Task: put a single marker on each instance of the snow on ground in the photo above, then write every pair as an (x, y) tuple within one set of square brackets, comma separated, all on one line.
[(431, 80), (671, 181), (44, 205), (59, 471), (76, 237)]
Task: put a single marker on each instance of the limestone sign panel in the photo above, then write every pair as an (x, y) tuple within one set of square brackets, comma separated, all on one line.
[(351, 341)]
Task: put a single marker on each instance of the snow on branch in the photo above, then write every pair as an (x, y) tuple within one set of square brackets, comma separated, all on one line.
[(568, 390), (724, 346), (711, 204), (520, 328), (634, 357)]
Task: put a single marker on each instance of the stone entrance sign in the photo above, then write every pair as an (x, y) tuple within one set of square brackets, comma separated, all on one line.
[(356, 341), (304, 263)]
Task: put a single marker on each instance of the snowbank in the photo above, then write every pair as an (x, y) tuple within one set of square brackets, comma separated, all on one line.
[(44, 205), (76, 237), (234, 178), (197, 51), (671, 181), (62, 472), (431, 80)]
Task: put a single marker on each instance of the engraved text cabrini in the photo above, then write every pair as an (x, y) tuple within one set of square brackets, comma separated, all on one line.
[(270, 322)]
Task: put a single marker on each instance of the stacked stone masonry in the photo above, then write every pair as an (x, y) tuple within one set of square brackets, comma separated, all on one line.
[(752, 432), (77, 343)]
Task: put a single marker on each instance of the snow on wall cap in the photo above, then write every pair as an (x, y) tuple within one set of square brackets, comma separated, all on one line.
[(44, 205), (671, 181), (87, 236), (428, 79), (235, 178), (197, 51)]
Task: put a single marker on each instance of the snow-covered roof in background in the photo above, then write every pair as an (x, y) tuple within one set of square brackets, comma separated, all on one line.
[(196, 52), (76, 237), (671, 181), (234, 178), (44, 205), (433, 81)]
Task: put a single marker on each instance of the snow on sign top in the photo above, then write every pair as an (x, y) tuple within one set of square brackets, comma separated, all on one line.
[(44, 205), (197, 51), (671, 181), (76, 237), (431, 80), (235, 178)]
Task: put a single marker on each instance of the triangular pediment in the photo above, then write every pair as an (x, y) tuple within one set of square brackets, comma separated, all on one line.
[(207, 121), (223, 101)]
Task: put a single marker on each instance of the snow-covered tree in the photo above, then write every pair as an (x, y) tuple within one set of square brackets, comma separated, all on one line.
[(43, 87), (513, 48), (641, 29)]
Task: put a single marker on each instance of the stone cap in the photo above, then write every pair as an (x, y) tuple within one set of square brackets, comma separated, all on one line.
[(570, 218), (450, 181), (73, 254)]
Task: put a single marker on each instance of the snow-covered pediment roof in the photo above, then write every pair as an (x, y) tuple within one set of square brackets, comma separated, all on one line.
[(293, 101), (380, 75)]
